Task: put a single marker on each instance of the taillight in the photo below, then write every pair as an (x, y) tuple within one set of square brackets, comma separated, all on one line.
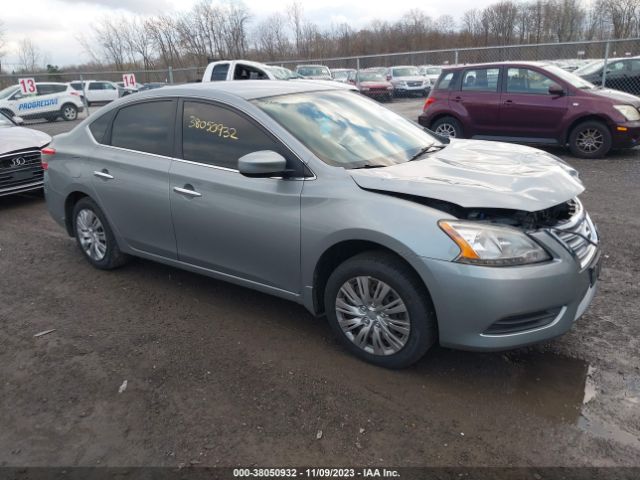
[(74, 93), (44, 160), (429, 101)]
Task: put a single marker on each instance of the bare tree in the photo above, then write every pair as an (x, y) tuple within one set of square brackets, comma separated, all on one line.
[(29, 56)]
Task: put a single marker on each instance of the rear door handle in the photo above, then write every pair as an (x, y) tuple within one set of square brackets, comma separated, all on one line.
[(187, 190), (457, 99), (508, 102), (104, 173)]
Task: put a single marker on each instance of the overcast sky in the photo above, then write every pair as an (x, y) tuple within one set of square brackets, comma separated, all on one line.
[(53, 25)]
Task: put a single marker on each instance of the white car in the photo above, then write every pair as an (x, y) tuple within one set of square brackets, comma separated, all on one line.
[(97, 91), (51, 101)]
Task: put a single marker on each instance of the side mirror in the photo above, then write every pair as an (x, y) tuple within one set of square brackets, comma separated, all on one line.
[(555, 89), (262, 164), (18, 120)]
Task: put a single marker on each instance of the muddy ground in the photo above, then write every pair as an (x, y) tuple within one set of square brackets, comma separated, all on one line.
[(222, 375)]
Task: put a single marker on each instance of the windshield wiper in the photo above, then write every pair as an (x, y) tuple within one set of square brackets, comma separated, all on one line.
[(368, 165), (429, 149)]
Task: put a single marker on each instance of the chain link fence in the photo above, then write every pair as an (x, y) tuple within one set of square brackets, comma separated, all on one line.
[(610, 63), (613, 63)]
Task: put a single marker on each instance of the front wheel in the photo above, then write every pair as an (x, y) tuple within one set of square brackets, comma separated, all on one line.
[(380, 310), (69, 112), (591, 139), (447, 127), (94, 236)]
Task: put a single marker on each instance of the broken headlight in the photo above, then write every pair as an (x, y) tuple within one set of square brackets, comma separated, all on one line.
[(492, 245)]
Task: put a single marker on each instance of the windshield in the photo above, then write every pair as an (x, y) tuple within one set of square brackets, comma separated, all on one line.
[(341, 74), (434, 71), (570, 78), (4, 121), (314, 71), (8, 91), (371, 77), (406, 72), (347, 130), (282, 73)]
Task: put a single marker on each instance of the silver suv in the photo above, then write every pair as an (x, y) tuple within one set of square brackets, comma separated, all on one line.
[(311, 193)]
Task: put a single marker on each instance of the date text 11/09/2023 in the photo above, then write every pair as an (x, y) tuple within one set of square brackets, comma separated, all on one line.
[(315, 473)]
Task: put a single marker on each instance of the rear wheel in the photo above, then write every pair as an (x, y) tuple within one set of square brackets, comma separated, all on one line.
[(95, 237), (447, 127), (69, 112), (379, 309), (591, 139)]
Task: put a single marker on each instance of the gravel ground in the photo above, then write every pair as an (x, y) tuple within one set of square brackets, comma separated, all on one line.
[(222, 375)]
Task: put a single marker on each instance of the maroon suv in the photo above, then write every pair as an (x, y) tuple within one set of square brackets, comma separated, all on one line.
[(533, 103)]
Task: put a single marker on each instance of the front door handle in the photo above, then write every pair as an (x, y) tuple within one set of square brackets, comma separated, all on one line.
[(508, 102), (104, 173), (457, 99), (187, 190)]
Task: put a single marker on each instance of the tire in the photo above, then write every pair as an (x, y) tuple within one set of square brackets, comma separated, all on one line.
[(590, 139), (90, 227), (374, 267), (447, 127), (69, 112)]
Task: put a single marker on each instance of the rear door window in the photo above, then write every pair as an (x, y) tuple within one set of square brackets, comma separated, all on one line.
[(96, 86), (145, 127), (481, 80), (445, 81), (219, 72)]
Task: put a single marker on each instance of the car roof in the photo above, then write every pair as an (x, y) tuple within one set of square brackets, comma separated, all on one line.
[(246, 89), (498, 64)]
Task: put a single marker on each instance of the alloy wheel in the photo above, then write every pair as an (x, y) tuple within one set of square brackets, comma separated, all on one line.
[(590, 140), (446, 130), (373, 315), (91, 234)]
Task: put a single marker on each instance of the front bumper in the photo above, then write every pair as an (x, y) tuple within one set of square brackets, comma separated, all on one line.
[(628, 138), (404, 89), (470, 300)]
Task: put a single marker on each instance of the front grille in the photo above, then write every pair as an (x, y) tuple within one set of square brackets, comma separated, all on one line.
[(522, 323), (414, 84), (578, 235), (17, 169)]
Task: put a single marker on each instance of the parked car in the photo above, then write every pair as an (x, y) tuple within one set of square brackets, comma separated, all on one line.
[(151, 86), (328, 199), (407, 80), (431, 72), (534, 103), (342, 74), (97, 91), (124, 91), (314, 72), (51, 101), (622, 74), (20, 168), (371, 84)]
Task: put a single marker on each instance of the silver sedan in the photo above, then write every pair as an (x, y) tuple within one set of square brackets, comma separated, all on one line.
[(318, 195)]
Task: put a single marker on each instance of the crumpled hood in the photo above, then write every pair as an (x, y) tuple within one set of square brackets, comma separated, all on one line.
[(20, 138), (480, 174)]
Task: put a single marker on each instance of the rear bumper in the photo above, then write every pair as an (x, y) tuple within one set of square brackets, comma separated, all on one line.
[(470, 299), (628, 138)]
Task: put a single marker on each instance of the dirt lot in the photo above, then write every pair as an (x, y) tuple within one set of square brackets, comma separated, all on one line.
[(223, 375)]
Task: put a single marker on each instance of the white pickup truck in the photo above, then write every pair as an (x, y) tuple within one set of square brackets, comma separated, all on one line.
[(244, 70)]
